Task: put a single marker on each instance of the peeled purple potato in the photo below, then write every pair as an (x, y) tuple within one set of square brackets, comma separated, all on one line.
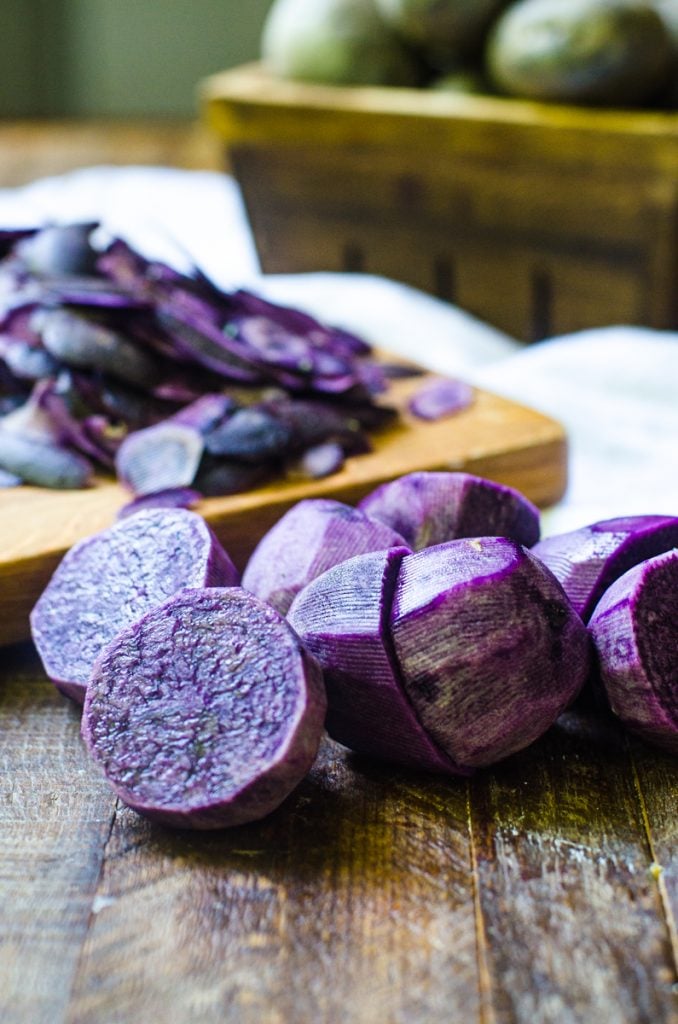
[(489, 648), (312, 536), (107, 581), (342, 619), (587, 561), (635, 632), (429, 508), (206, 712)]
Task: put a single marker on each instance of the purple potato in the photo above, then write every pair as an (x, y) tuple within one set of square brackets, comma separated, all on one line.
[(342, 619), (43, 463), (635, 632), (59, 249), (110, 579), (252, 434), (309, 538), (428, 508), (588, 560), (317, 462), (220, 477), (207, 712), (489, 648), (171, 497), (77, 341), (439, 398), (9, 479), (165, 455)]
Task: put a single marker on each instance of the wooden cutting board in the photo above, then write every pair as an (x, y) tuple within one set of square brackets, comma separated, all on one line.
[(494, 437)]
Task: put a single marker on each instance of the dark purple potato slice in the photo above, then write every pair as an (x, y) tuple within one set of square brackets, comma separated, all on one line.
[(109, 580), (439, 398), (207, 712), (26, 361), (342, 619), (43, 463), (59, 249), (79, 342), (219, 477), (172, 497), (251, 435), (312, 536), (10, 236), (489, 648), (96, 292), (9, 479), (431, 508), (635, 632), (588, 560)]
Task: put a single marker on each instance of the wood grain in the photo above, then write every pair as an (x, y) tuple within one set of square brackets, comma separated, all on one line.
[(566, 888), (55, 816), (525, 895), (37, 148), (494, 437), (538, 218)]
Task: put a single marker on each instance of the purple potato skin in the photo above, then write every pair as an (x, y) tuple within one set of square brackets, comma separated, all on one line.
[(635, 633), (588, 560), (308, 539), (489, 648), (342, 619), (207, 712), (109, 580), (429, 508)]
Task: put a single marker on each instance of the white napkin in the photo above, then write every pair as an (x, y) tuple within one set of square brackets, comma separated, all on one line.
[(614, 389)]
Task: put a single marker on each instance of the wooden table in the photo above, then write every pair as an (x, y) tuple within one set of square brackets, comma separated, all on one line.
[(31, 149), (544, 890)]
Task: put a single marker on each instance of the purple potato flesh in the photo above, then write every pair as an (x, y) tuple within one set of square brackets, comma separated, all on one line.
[(635, 632), (342, 619), (110, 579), (489, 648), (428, 508), (317, 462), (165, 455), (440, 398), (309, 538), (207, 712), (588, 560)]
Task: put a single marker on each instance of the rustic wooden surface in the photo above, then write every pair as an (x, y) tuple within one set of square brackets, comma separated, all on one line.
[(494, 438), (32, 149), (540, 219), (542, 891)]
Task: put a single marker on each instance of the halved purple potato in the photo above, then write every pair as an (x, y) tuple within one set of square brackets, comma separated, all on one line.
[(206, 712), (428, 508), (489, 648), (110, 579), (635, 632), (588, 560), (342, 619), (309, 538)]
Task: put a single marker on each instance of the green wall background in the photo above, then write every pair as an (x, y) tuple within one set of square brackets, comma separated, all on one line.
[(72, 58)]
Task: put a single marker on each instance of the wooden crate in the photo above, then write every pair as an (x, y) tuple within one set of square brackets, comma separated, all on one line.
[(540, 219)]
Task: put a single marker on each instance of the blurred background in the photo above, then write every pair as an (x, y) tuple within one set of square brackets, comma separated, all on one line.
[(68, 65)]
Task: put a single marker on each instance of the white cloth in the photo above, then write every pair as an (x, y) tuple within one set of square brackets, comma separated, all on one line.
[(614, 389)]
